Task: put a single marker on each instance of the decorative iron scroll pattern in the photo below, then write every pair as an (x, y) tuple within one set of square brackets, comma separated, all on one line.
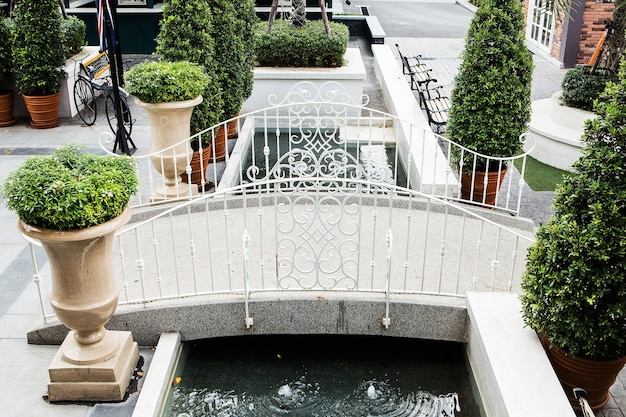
[(319, 245), (315, 115)]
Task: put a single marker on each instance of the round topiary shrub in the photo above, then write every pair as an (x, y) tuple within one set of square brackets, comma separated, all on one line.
[(72, 35), (70, 189), (581, 87)]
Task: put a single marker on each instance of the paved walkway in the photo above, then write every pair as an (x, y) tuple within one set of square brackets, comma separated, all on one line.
[(23, 367)]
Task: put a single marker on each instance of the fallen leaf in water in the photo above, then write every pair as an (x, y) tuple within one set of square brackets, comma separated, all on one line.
[(177, 380)]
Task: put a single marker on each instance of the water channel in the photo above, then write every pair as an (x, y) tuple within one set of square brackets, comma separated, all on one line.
[(322, 375)]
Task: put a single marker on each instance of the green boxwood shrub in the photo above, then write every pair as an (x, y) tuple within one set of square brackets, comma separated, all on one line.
[(186, 35), (6, 75), (574, 287), (162, 81), (285, 46), (72, 35), (70, 189), (490, 100), (580, 88), (37, 49), (235, 68)]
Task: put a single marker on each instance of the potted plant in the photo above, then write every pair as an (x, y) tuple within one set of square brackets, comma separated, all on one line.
[(490, 100), (38, 58), (186, 35), (6, 76), (73, 202), (168, 91), (574, 286)]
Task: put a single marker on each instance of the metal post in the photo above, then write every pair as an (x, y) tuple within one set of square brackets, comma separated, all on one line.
[(114, 50)]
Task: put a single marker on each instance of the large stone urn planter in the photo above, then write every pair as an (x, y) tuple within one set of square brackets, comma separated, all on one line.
[(92, 363), (171, 152)]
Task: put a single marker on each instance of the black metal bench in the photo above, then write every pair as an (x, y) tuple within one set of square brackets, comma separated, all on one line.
[(436, 106), (419, 73)]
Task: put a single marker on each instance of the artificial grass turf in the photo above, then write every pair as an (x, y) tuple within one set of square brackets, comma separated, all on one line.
[(539, 176)]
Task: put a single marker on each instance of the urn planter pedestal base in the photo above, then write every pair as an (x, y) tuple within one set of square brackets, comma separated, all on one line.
[(102, 381)]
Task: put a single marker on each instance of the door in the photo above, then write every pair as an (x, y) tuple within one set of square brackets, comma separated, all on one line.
[(540, 24)]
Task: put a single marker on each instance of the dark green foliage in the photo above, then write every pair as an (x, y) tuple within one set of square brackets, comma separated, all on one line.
[(233, 63), (164, 81), (285, 46), (6, 76), (574, 284), (37, 48), (72, 35), (491, 95), (70, 189), (581, 88), (186, 35), (246, 18)]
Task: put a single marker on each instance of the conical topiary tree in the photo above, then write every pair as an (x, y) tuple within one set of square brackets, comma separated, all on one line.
[(187, 35), (490, 106), (246, 19), (574, 287), (232, 37), (37, 49)]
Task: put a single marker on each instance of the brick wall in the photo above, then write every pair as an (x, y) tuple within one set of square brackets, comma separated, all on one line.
[(594, 18)]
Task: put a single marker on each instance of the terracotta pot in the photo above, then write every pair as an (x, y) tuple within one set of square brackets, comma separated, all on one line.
[(220, 143), (233, 133), (84, 290), (44, 110), (170, 124), (6, 108), (594, 376), (480, 193), (199, 163)]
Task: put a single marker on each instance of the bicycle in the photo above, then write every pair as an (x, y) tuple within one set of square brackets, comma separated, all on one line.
[(93, 81)]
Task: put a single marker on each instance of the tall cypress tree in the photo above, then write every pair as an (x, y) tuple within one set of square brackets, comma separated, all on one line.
[(491, 94), (187, 35)]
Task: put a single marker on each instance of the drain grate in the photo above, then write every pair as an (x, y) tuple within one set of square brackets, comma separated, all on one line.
[(365, 10)]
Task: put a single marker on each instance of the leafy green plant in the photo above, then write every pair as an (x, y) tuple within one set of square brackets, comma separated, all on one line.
[(539, 176), (232, 31), (72, 35), (490, 100), (162, 81), (6, 75), (246, 18), (37, 49), (580, 87), (186, 35), (70, 189), (309, 46), (574, 287)]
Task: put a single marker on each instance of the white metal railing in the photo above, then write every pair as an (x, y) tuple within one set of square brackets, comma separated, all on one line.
[(316, 234), (321, 128), (317, 193)]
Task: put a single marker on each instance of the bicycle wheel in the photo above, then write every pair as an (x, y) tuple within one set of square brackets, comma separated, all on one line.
[(126, 116), (85, 101)]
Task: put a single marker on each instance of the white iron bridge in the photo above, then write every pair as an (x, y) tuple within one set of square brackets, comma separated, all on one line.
[(319, 194)]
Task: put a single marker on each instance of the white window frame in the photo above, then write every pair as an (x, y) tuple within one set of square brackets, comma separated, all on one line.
[(540, 22)]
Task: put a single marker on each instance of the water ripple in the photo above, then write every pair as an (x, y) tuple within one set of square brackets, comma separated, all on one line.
[(300, 398)]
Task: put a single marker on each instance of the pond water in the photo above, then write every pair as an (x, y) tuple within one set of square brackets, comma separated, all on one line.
[(322, 375), (378, 160)]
